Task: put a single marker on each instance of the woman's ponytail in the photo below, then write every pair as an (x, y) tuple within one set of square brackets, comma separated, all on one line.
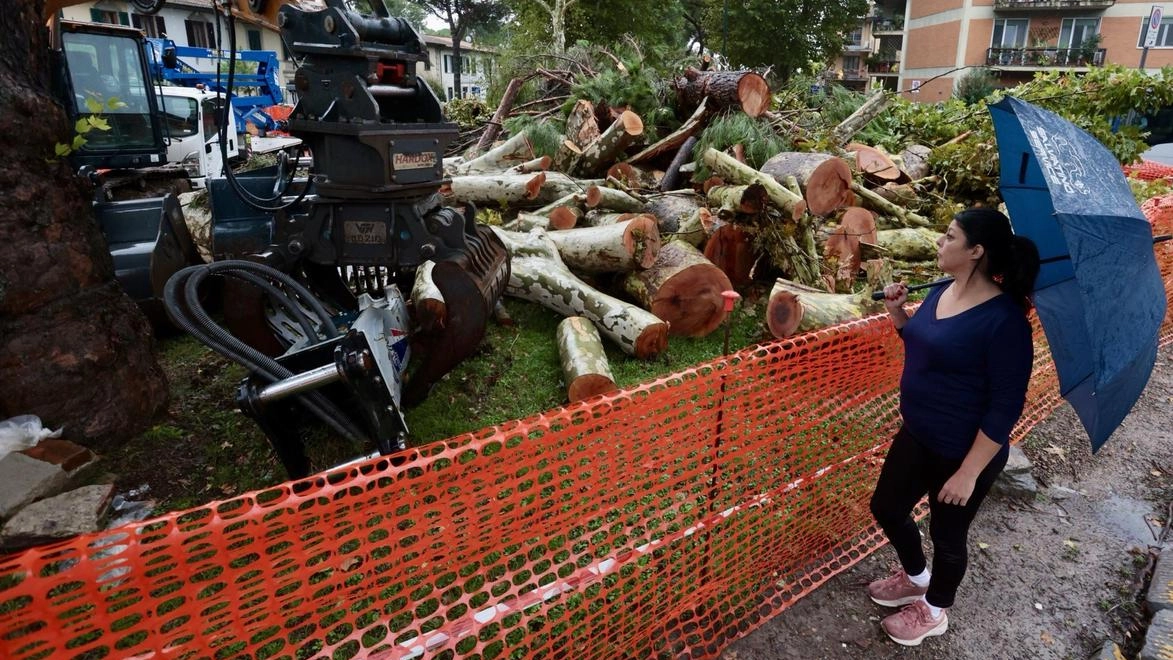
[(1023, 268)]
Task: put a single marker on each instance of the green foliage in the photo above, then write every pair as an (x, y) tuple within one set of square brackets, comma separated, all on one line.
[(760, 141), (544, 136), (91, 122), (975, 85), (631, 84), (785, 34), (469, 112), (1143, 190)]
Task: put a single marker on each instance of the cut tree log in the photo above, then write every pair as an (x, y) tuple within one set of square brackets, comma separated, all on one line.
[(794, 308), (730, 249), (601, 197), (599, 218), (509, 153), (909, 243), (565, 155), (824, 179), (539, 164), (581, 126), (843, 245), (671, 143), (874, 164), (601, 153), (875, 202), (632, 177), (584, 361), (732, 171), (495, 188), (914, 161), (746, 90), (863, 115), (555, 221), (683, 288), (679, 215), (538, 275), (428, 308), (613, 248), (730, 200), (900, 194)]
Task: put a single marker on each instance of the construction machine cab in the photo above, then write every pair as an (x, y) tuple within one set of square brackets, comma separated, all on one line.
[(101, 70)]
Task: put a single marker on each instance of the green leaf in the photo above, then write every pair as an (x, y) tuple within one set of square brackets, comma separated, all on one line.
[(79, 141), (99, 123), (115, 103), (62, 149), (93, 105), (82, 125)]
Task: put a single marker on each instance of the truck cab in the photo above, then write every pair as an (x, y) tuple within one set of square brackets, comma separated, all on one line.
[(191, 121)]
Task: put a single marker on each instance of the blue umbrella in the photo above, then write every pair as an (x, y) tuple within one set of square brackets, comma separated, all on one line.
[(1099, 294)]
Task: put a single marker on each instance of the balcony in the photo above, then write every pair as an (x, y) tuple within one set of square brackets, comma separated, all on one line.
[(881, 66), (887, 25), (862, 46), (1051, 5), (1044, 58)]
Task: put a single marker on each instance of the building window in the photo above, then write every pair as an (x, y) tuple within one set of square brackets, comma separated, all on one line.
[(449, 93), (448, 66), (1010, 33), (1164, 33), (855, 37), (1076, 30), (200, 34), (254, 39), (111, 17), (851, 66), (152, 26)]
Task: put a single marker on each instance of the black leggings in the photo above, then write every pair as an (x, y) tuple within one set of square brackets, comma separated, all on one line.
[(910, 472)]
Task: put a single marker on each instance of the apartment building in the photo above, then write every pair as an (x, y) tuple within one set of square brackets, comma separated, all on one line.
[(923, 47), (872, 51), (475, 72)]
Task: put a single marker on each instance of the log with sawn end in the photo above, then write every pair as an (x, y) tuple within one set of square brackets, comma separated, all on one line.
[(537, 274), (680, 215), (794, 308), (584, 361), (509, 153), (614, 248), (429, 311), (825, 180), (600, 154), (683, 288)]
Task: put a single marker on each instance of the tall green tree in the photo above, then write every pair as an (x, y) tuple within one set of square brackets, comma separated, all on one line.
[(462, 17), (783, 34), (656, 24)]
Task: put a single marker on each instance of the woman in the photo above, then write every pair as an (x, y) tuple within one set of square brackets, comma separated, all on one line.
[(968, 355)]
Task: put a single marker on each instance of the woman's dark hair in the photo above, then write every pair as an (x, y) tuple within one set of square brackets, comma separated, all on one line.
[(1011, 261)]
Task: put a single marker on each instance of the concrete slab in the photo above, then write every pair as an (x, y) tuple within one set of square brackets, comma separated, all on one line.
[(1158, 641), (1160, 594), (24, 479), (68, 514)]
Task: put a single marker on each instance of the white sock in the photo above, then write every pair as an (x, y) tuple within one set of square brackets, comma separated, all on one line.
[(920, 579), (933, 609)]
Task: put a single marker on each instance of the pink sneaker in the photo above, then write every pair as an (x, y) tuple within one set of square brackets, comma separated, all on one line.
[(912, 624), (896, 590)]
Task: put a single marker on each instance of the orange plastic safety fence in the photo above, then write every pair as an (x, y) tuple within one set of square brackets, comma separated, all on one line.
[(1148, 170), (664, 521)]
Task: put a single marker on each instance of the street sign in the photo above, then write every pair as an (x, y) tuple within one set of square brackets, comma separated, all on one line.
[(1154, 26)]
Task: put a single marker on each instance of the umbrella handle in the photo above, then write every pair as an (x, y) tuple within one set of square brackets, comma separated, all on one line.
[(879, 295)]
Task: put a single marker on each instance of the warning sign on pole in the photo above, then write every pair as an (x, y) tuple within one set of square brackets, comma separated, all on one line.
[(1154, 26)]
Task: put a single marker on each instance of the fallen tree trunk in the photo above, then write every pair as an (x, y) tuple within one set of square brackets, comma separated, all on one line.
[(824, 179), (613, 248), (749, 199), (683, 288), (914, 161), (429, 311), (874, 164), (632, 177), (509, 153), (601, 217), (671, 143), (882, 206), (597, 156), (493, 129), (746, 90), (539, 164), (495, 188), (909, 243), (729, 169), (863, 115), (795, 308), (671, 178), (538, 275), (612, 199), (584, 361)]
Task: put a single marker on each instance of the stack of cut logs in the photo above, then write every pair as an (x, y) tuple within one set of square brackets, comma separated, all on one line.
[(602, 212)]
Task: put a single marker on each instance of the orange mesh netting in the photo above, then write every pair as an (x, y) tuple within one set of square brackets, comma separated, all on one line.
[(664, 521), (1148, 170)]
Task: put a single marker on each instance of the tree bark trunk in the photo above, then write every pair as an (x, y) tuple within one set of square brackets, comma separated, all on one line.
[(729, 169), (601, 153), (877, 203), (538, 275), (730, 200), (683, 288), (509, 153), (794, 308), (429, 309), (914, 161), (601, 197), (672, 143), (584, 361), (493, 129), (74, 349), (613, 248), (862, 116), (909, 244), (746, 90), (824, 179)]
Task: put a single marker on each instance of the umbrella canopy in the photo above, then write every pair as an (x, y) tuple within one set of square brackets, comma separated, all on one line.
[(1099, 294)]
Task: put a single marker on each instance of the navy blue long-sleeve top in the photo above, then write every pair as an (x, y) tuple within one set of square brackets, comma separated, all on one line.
[(965, 373)]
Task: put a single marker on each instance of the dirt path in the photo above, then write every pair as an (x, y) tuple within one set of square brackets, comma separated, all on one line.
[(1052, 578)]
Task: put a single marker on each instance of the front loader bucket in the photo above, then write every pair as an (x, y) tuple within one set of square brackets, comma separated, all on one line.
[(471, 283), (149, 241)]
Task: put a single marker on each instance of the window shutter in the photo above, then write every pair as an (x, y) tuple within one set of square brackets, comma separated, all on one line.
[(191, 39), (254, 39), (96, 15), (123, 18)]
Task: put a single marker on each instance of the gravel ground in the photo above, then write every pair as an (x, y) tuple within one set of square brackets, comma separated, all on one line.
[(1050, 578)]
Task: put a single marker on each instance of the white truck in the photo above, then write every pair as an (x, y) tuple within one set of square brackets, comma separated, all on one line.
[(191, 126)]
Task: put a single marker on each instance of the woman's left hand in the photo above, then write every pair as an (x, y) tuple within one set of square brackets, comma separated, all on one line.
[(957, 490)]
